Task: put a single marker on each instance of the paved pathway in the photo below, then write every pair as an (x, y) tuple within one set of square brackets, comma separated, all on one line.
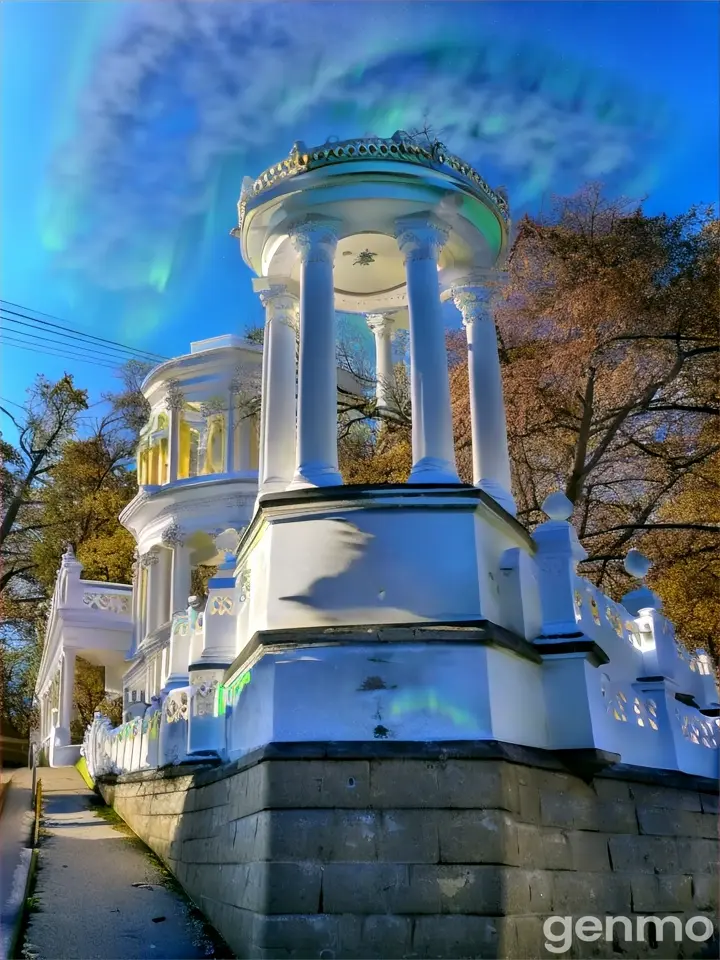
[(16, 822), (100, 894)]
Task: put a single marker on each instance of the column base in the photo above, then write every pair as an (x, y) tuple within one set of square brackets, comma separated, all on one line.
[(175, 681), (316, 476), (499, 494), (432, 470)]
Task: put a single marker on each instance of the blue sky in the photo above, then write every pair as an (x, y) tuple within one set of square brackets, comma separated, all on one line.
[(127, 129)]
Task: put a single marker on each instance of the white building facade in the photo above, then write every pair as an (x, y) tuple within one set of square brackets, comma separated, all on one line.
[(421, 611)]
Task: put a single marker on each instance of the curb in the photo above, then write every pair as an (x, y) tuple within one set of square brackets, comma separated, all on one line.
[(17, 934)]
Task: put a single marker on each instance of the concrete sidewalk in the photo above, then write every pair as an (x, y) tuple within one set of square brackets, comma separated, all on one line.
[(100, 892), (16, 822)]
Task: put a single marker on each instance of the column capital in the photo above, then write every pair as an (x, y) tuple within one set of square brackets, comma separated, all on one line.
[(174, 398), (421, 238), (280, 304), (315, 240), (212, 407), (150, 558), (473, 302), (173, 535), (380, 322)]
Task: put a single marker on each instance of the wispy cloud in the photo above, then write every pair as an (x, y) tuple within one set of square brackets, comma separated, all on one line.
[(185, 97)]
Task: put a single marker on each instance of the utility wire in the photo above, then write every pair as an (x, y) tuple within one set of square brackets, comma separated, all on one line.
[(33, 348), (38, 333), (25, 311)]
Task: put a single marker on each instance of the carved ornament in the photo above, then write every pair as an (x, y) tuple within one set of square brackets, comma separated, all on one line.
[(400, 147)]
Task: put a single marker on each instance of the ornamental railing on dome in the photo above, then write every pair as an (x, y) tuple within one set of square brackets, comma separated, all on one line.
[(400, 147)]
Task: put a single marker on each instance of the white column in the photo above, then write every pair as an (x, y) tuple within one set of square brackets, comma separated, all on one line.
[(261, 426), (244, 440), (491, 458), (160, 574), (420, 242), (382, 327), (279, 406), (230, 427), (137, 624), (150, 562), (67, 686), (317, 460), (173, 536), (175, 402), (181, 577)]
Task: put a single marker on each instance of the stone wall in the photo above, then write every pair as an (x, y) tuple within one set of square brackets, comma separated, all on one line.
[(424, 853)]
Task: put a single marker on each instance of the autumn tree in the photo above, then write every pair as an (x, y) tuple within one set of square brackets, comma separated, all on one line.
[(609, 342), (60, 487), (49, 418)]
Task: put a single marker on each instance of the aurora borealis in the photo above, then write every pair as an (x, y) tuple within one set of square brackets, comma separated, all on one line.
[(146, 116)]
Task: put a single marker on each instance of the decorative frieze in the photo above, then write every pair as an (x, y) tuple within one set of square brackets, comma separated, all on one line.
[(176, 706), (401, 146), (107, 602), (220, 605), (203, 697)]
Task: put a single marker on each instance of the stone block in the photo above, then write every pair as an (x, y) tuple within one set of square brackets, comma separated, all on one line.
[(540, 885), (404, 783), (251, 838), (213, 795), (529, 803), (710, 803), (651, 894), (477, 836), (301, 936), (197, 824), (631, 854), (468, 888), (661, 821), (648, 795), (478, 784), (589, 851), (248, 790), (557, 853), (278, 888), (582, 810), (698, 856), (610, 790), (362, 888), (529, 937), (705, 892), (570, 811), (590, 894), (462, 937), (374, 937), (404, 836), (318, 783), (530, 846)]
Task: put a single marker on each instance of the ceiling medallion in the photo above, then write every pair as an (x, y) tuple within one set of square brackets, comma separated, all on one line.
[(364, 258)]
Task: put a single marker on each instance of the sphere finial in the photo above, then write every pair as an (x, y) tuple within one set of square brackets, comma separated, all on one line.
[(637, 564), (557, 506)]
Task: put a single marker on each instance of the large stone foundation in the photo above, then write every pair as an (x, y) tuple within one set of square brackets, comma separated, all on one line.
[(393, 850)]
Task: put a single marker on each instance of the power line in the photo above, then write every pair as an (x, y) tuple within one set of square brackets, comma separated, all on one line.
[(61, 341), (33, 348), (150, 355)]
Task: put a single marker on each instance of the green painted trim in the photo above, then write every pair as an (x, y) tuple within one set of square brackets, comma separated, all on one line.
[(81, 767)]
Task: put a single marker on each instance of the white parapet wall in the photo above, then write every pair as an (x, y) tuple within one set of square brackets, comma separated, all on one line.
[(598, 675)]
